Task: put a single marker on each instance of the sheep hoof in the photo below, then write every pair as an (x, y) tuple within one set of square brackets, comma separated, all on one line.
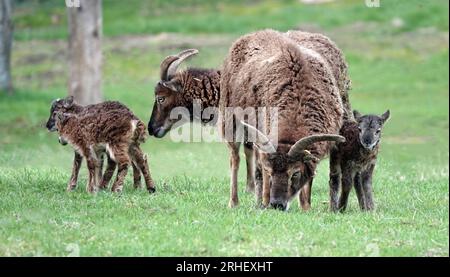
[(151, 190)]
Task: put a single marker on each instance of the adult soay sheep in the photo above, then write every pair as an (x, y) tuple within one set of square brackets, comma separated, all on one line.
[(273, 70), (181, 89)]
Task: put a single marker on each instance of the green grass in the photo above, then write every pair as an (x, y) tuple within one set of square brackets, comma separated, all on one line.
[(47, 18), (403, 70)]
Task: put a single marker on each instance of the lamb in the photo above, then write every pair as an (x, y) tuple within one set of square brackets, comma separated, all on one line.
[(352, 162), (269, 69), (68, 105), (117, 132)]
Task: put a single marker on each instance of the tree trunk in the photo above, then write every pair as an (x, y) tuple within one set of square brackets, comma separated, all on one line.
[(6, 30), (85, 54)]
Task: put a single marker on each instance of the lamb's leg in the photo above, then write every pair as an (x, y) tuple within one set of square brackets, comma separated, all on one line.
[(359, 191), (123, 161), (367, 187), (111, 167), (93, 167), (136, 176), (77, 160), (141, 161), (305, 195), (101, 159), (335, 180), (347, 182), (250, 160), (234, 166)]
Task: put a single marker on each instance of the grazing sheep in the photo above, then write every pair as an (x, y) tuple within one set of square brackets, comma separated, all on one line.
[(68, 105), (269, 69), (353, 161), (117, 132)]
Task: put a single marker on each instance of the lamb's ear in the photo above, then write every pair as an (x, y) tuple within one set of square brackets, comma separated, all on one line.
[(386, 116), (356, 114), (68, 101), (262, 142)]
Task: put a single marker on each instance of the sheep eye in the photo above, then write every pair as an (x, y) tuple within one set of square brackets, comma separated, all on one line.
[(160, 99), (296, 174), (378, 131)]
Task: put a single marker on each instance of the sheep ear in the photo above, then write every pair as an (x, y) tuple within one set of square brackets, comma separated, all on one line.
[(68, 101), (386, 116), (173, 85), (298, 149), (356, 114), (308, 157), (261, 141)]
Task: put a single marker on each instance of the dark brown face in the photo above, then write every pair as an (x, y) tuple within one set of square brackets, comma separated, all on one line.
[(58, 105), (287, 177), (165, 100), (370, 127)]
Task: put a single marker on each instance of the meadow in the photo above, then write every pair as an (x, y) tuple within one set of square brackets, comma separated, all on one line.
[(398, 60)]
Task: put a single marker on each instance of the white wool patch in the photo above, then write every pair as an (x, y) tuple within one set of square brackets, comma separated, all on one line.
[(110, 152), (133, 125)]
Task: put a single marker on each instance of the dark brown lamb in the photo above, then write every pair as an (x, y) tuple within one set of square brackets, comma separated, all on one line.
[(353, 161), (68, 105), (116, 132)]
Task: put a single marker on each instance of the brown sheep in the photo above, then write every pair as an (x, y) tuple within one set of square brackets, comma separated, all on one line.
[(67, 105), (181, 89), (269, 69), (353, 161), (117, 132)]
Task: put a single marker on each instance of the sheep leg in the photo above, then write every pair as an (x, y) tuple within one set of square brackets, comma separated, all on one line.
[(258, 185), (142, 165), (367, 187), (100, 165), (335, 181), (305, 195), (234, 165), (359, 191), (265, 188), (77, 160), (250, 160), (93, 167), (111, 167), (136, 176), (123, 161), (347, 182)]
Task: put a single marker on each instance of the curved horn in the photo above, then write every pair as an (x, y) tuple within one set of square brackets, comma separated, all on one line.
[(183, 55), (302, 143), (262, 141), (165, 66)]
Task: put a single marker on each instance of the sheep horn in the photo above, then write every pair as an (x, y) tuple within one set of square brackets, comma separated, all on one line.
[(262, 141), (173, 66), (302, 143), (165, 66)]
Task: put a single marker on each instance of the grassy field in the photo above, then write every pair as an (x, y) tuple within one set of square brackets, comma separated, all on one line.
[(398, 58)]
